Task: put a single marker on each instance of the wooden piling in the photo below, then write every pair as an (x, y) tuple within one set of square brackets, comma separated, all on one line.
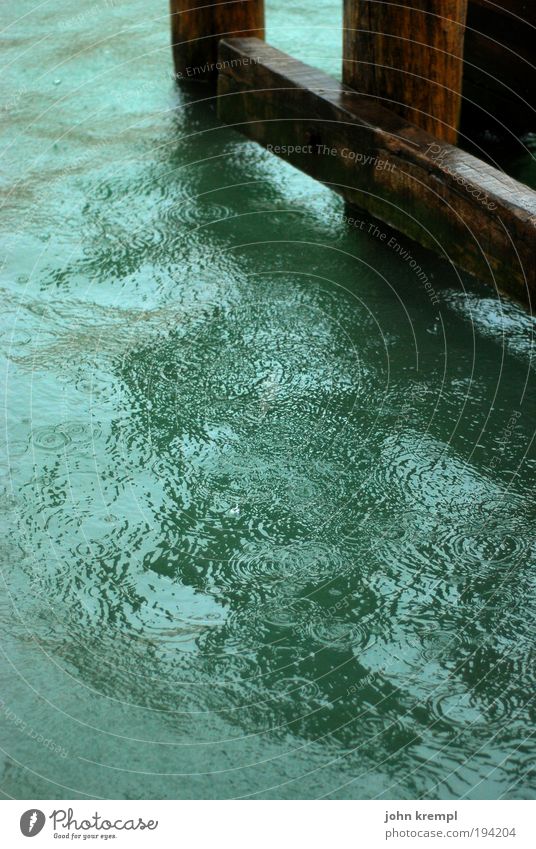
[(198, 25), (410, 57)]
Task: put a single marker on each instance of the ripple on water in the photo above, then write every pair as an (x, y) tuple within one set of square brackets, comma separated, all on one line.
[(228, 369), (228, 669), (372, 731), (296, 564), (95, 550), (339, 634), (50, 438), (95, 384), (173, 616), (480, 549), (80, 433), (197, 212), (483, 550), (439, 644), (288, 613), (461, 710), (295, 688), (399, 525), (413, 465)]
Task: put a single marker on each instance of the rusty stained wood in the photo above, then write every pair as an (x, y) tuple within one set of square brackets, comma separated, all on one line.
[(198, 25), (444, 198), (410, 57)]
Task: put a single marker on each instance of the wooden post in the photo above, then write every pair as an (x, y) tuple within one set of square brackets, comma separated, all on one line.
[(198, 25), (410, 57)]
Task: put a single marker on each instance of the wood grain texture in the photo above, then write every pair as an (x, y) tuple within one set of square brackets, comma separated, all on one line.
[(444, 198), (198, 25), (410, 57)]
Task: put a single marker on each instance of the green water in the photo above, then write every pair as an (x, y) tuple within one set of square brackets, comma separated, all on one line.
[(267, 510)]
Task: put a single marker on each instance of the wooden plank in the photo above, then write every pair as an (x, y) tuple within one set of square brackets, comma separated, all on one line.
[(446, 199), (499, 76), (198, 25), (410, 57)]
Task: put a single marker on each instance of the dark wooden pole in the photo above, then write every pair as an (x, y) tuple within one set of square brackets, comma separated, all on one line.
[(410, 56), (198, 25)]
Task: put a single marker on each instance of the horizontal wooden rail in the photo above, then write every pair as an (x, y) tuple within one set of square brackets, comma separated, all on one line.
[(444, 198)]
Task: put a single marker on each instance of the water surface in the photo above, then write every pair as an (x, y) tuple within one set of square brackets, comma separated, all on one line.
[(267, 507)]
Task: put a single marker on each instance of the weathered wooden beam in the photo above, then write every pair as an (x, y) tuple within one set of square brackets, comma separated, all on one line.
[(499, 75), (446, 199), (198, 25), (410, 57)]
